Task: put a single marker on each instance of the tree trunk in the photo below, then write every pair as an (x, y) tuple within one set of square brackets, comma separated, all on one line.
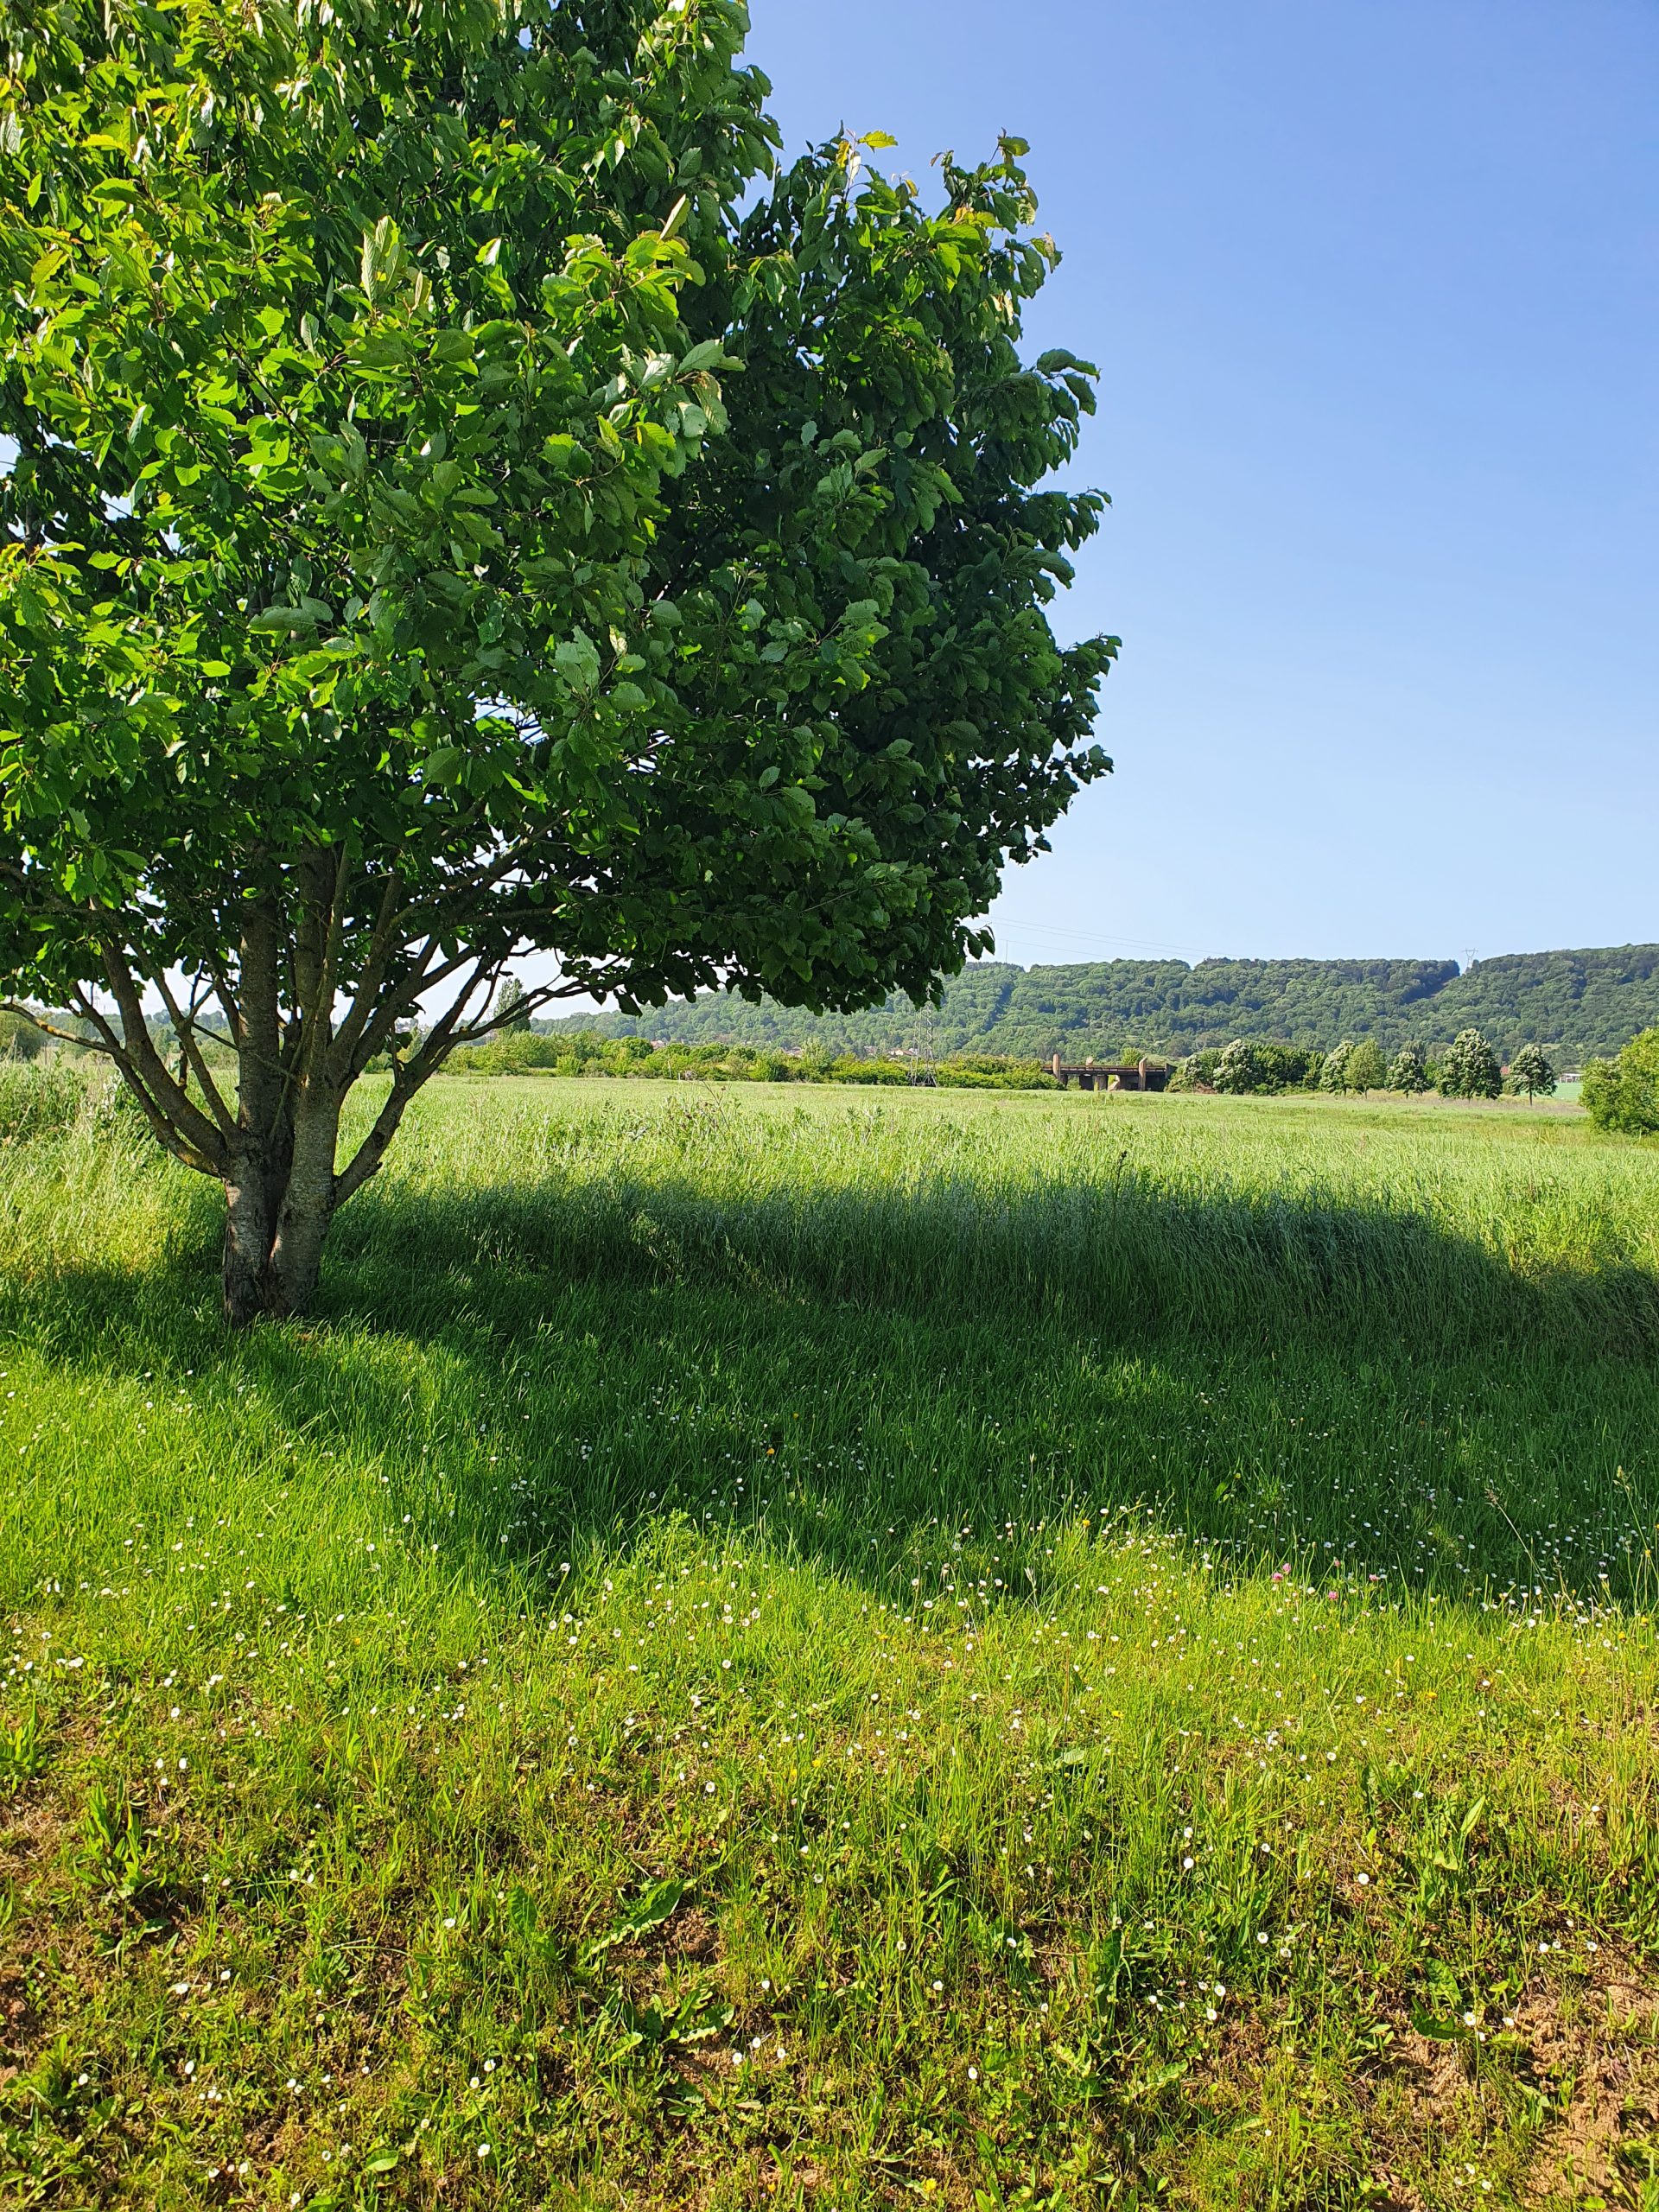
[(307, 1206), (249, 1225), (278, 1203)]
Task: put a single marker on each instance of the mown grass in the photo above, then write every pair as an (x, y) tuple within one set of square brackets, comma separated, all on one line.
[(775, 1649)]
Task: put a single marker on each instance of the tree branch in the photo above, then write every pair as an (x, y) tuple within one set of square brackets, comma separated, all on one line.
[(185, 1026), (168, 1100), (170, 1140), (64, 1036), (410, 1076)]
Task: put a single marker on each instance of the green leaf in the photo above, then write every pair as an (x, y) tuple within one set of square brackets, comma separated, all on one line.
[(287, 621), (657, 1904), (380, 249), (709, 354)]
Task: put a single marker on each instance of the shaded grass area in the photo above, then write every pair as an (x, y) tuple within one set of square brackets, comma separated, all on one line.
[(1054, 1651)]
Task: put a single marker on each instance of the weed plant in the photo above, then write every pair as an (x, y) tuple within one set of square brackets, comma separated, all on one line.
[(767, 1650)]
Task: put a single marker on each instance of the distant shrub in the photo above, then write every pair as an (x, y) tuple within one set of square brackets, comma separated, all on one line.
[(1470, 1068), (577, 1052), (1622, 1096), (848, 1069), (1408, 1071), (1290, 1067), (1197, 1072), (514, 1052), (1247, 1065), (1239, 1070), (20, 1039), (1367, 1070), (991, 1072), (1530, 1071)]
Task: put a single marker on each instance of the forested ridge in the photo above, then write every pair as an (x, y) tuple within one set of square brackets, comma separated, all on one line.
[(1578, 1003)]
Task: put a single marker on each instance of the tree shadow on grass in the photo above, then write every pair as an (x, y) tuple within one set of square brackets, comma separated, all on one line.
[(867, 1373)]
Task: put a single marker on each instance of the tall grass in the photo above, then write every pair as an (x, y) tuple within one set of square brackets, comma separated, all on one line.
[(778, 1649)]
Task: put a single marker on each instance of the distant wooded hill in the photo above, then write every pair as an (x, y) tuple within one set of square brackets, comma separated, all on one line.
[(1577, 1004)]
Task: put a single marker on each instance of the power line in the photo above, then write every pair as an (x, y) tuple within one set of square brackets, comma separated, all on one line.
[(1097, 937)]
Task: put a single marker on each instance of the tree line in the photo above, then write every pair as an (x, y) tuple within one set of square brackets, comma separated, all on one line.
[(1577, 1005), (1468, 1068)]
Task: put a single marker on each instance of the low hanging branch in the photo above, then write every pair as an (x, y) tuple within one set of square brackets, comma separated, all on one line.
[(627, 548), (296, 1061)]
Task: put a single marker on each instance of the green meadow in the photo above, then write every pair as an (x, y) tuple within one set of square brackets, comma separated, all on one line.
[(770, 1647)]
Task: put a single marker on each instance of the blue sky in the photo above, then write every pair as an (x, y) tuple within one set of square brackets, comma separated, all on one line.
[(1371, 286)]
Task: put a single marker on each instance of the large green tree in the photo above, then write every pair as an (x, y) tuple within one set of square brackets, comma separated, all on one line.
[(1531, 1071), (1623, 1094), (1409, 1071), (469, 497), (1367, 1070), (1238, 1069), (1333, 1074), (1469, 1068)]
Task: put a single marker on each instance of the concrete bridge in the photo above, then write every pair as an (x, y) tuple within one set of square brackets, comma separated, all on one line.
[(1101, 1075)]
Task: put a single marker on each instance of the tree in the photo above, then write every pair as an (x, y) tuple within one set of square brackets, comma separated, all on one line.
[(1408, 1071), (1366, 1069), (1470, 1068), (468, 498), (1530, 1071), (511, 1010), (1238, 1069), (1333, 1075), (1622, 1096)]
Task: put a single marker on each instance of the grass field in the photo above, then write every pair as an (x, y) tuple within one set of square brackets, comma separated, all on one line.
[(766, 1648)]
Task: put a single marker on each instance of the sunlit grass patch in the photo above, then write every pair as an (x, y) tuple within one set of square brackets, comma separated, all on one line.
[(830, 1655)]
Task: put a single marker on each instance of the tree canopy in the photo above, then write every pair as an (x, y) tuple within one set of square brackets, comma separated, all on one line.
[(1409, 1071), (1469, 1068), (1367, 1070), (1622, 1096), (470, 497), (1238, 1069), (1531, 1071)]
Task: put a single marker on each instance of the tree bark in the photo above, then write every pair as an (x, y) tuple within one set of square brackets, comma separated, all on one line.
[(308, 1201), (249, 1221), (283, 1189), (276, 1217)]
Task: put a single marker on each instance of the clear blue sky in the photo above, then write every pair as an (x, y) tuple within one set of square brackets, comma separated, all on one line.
[(1371, 284)]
